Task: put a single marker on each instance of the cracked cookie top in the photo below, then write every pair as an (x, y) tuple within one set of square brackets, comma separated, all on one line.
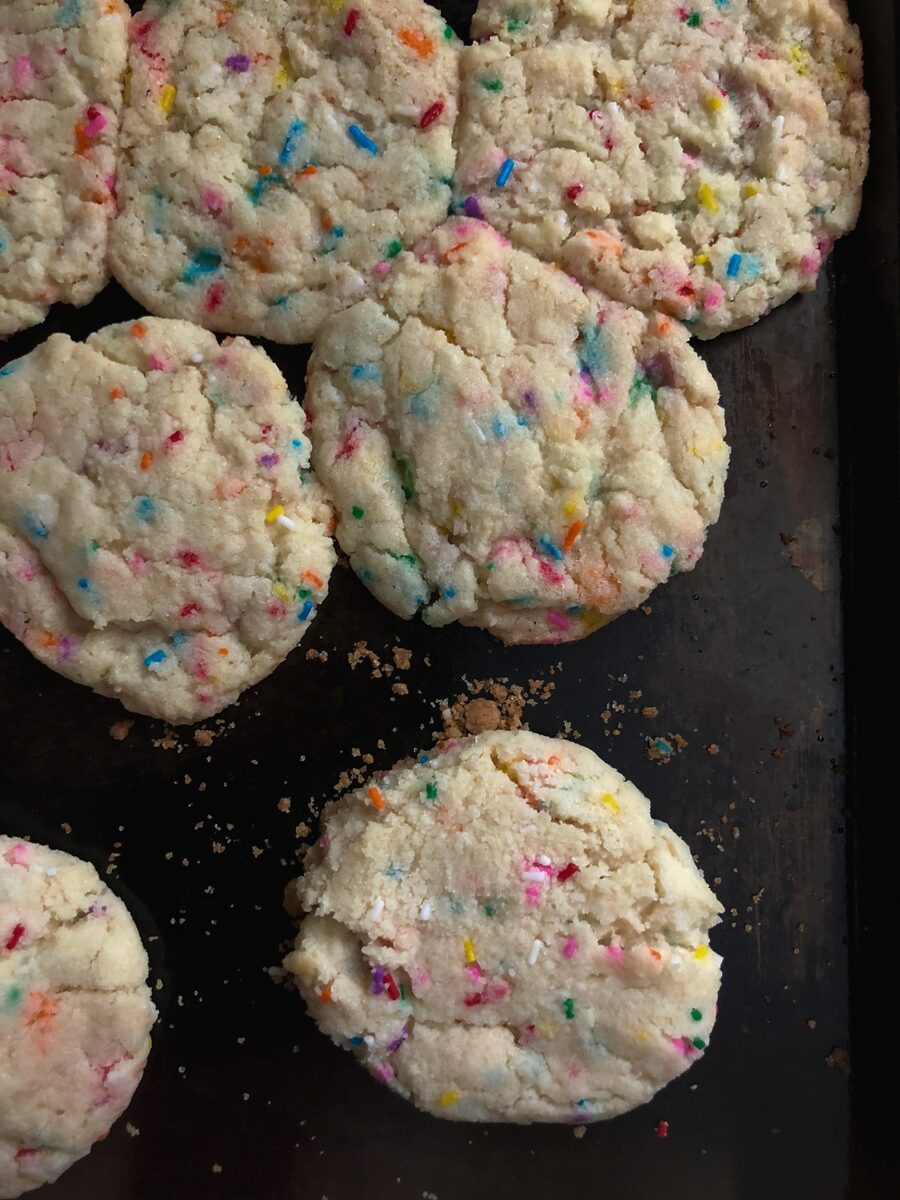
[(699, 159), (508, 449), (61, 69), (161, 537), (276, 156), (75, 1012), (500, 932)]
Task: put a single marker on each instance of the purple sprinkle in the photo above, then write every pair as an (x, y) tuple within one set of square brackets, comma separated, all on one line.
[(530, 399), (659, 371), (472, 208), (398, 1040), (238, 62), (377, 981), (269, 460), (64, 648)]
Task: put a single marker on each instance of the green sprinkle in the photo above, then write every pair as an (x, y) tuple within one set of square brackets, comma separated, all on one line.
[(640, 389), (492, 84), (431, 790), (358, 512), (694, 20), (491, 565), (402, 991), (699, 1043), (303, 593), (568, 1007), (93, 546), (393, 248), (409, 559), (696, 1014), (13, 996), (516, 24), (449, 35), (407, 475)]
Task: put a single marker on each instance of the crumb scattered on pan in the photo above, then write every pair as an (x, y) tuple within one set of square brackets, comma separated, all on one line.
[(120, 730), (663, 749), (839, 1058)]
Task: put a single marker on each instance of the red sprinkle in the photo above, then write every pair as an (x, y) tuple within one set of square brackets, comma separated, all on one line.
[(351, 22), (190, 558), (431, 114), (473, 1000), (15, 937), (174, 438), (573, 192), (190, 610), (216, 294), (390, 987), (567, 872), (25, 1152), (662, 1129)]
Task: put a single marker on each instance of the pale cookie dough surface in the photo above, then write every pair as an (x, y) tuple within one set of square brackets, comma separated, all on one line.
[(500, 932), (75, 1012), (509, 450), (700, 159), (278, 155), (161, 538), (61, 68)]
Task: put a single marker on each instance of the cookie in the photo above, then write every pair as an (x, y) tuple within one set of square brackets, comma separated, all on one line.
[(161, 538), (75, 1012), (500, 932), (510, 450), (61, 68), (700, 160), (277, 156)]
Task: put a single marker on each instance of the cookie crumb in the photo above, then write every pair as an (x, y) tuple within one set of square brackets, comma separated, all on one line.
[(284, 804), (120, 730), (579, 1131), (204, 737), (402, 658), (481, 716)]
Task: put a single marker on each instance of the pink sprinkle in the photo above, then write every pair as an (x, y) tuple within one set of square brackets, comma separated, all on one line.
[(276, 609), (212, 201), (475, 972), (138, 562), (15, 937), (551, 574), (421, 979), (214, 296), (351, 22), (204, 697), (201, 671), (190, 610), (95, 123), (17, 855), (381, 269), (111, 184), (615, 953), (809, 264), (22, 71), (573, 192), (713, 297), (570, 947), (24, 1153), (533, 894), (683, 1045), (662, 1129), (557, 619), (156, 363), (384, 1071), (28, 573)]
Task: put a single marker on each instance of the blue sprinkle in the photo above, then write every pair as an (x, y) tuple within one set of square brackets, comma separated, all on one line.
[(549, 548), (395, 872), (720, 4), (362, 140), (3, 236), (291, 142), (523, 421), (178, 639), (575, 610), (263, 182), (365, 575), (34, 526), (84, 584), (204, 262), (423, 759), (68, 14), (499, 428), (734, 265), (365, 371), (591, 353), (281, 302), (355, 1041), (331, 239), (145, 508), (505, 171), (449, 593), (588, 1103), (667, 551), (523, 601), (159, 205), (304, 612), (157, 656), (420, 406), (751, 266), (10, 368)]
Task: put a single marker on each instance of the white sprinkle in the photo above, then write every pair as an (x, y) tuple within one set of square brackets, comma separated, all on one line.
[(286, 522), (212, 379), (544, 860), (479, 433), (778, 126), (51, 871), (613, 108), (196, 358), (534, 875), (369, 1040), (781, 173), (377, 910), (425, 911), (536, 946)]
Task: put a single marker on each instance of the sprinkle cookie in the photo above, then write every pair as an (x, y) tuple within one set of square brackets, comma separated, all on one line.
[(61, 69), (75, 1013), (700, 160), (278, 156), (161, 538), (500, 932), (509, 450)]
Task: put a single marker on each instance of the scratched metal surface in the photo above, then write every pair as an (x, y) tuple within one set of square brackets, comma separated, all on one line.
[(731, 655)]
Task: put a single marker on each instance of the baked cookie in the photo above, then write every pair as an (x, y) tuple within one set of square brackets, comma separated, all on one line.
[(276, 156), (509, 450), (75, 1012), (61, 69), (161, 538), (500, 932), (700, 160)]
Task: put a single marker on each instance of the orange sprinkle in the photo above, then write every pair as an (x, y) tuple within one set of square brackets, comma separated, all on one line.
[(306, 172), (223, 16), (664, 324), (313, 579), (606, 240), (49, 639), (377, 799), (423, 46), (325, 994), (139, 330), (645, 103), (553, 760), (655, 953), (572, 534), (223, 649), (146, 460), (240, 244), (265, 169), (43, 1008), (116, 393), (82, 141), (453, 250)]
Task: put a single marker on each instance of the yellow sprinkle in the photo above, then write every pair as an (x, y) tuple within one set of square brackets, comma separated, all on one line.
[(283, 75), (167, 99), (448, 1098), (469, 950), (572, 505), (279, 590), (701, 952), (798, 55), (708, 197), (713, 102), (547, 1031), (750, 190), (606, 798), (126, 86), (643, 1036), (274, 513), (707, 449), (334, 5), (593, 620), (701, 259)]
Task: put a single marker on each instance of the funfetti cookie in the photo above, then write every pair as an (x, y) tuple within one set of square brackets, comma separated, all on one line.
[(161, 537), (700, 160), (508, 449), (499, 932), (278, 155), (62, 65), (75, 1012)]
